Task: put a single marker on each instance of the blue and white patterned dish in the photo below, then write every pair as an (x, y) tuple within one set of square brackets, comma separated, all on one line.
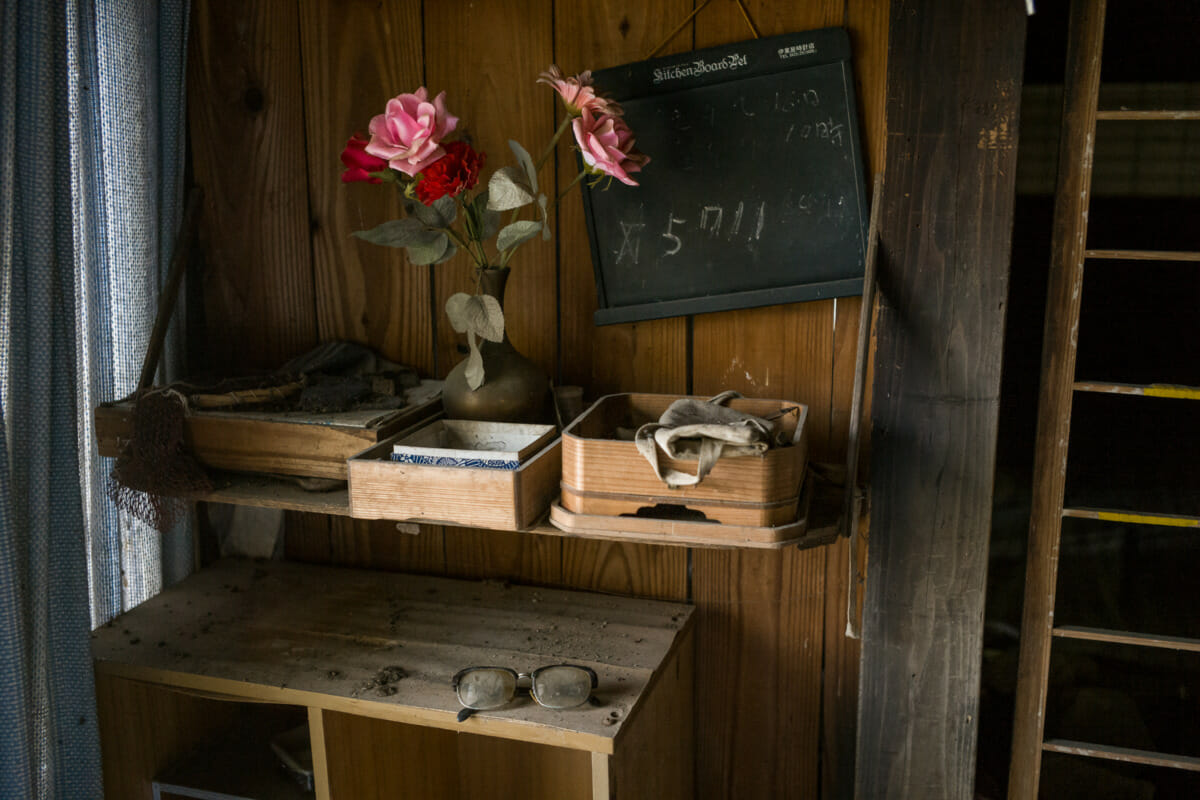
[(455, 461), (472, 444)]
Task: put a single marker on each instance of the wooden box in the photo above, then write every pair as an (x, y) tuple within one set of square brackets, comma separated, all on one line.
[(603, 475), (500, 499), (286, 443)]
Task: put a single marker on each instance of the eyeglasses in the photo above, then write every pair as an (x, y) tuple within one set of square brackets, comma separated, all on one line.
[(552, 686)]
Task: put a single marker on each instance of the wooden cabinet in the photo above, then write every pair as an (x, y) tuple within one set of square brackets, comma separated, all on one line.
[(367, 658)]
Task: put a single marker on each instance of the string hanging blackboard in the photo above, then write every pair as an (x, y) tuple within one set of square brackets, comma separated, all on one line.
[(754, 194)]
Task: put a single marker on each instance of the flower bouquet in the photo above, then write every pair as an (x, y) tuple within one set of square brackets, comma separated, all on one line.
[(409, 146)]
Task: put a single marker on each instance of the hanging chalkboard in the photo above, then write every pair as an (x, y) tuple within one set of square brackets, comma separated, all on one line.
[(754, 193)]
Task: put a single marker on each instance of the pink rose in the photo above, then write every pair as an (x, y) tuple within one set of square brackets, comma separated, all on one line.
[(578, 93), (607, 143), (409, 133), (359, 164)]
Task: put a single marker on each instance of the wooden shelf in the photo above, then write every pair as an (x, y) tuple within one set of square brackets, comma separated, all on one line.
[(1127, 754), (1170, 390), (1128, 637), (320, 637), (1144, 115), (1143, 255), (819, 528), (1133, 517)]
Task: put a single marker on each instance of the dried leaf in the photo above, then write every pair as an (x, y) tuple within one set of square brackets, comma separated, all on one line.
[(396, 233), (489, 220), (441, 214), (520, 231), (526, 162), (508, 189), (477, 314), (474, 371), (451, 252), (431, 250), (541, 198)]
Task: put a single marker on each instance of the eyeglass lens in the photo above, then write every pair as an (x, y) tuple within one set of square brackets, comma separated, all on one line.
[(561, 686), (485, 688)]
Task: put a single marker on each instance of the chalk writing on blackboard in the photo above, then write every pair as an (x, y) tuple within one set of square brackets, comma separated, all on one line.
[(754, 195)]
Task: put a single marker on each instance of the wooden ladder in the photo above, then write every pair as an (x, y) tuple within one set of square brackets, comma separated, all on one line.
[(1069, 253)]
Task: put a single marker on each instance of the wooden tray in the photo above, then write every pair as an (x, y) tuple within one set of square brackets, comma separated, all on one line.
[(471, 497), (603, 476), (691, 533), (286, 443)]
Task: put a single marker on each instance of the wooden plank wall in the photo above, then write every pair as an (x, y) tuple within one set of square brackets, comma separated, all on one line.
[(945, 233), (275, 88)]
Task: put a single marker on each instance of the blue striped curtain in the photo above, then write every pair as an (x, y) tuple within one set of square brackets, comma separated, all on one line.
[(91, 159)]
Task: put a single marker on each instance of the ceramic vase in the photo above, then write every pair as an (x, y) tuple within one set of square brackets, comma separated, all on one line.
[(514, 389)]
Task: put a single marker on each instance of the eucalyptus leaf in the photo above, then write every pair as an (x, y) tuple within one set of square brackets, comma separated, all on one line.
[(451, 252), (541, 198), (429, 251), (476, 314), (489, 220), (396, 233), (518, 232), (508, 188), (474, 371), (526, 162), (441, 214)]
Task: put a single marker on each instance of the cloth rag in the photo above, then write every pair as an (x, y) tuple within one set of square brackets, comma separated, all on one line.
[(701, 431)]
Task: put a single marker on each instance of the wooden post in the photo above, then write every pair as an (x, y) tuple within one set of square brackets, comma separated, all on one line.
[(1081, 86), (954, 85)]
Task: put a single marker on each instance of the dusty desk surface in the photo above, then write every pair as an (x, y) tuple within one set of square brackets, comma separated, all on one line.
[(386, 645)]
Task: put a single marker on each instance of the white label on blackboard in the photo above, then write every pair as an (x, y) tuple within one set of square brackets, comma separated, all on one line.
[(806, 49), (733, 61)]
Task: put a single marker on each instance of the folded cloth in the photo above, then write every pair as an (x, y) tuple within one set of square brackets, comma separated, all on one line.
[(701, 431)]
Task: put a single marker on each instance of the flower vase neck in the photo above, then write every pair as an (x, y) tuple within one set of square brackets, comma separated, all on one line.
[(492, 281)]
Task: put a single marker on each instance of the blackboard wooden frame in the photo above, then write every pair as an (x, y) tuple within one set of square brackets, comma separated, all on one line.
[(649, 87)]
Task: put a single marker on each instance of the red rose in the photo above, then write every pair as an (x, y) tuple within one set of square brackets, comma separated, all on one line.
[(359, 163), (451, 174)]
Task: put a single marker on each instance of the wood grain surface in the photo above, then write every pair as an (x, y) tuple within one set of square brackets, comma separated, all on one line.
[(352, 67), (259, 631), (246, 123), (947, 217), (771, 613)]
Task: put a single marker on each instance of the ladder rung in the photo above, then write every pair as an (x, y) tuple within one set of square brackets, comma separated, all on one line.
[(1141, 389), (1144, 255), (1131, 115), (1134, 517), (1127, 754), (1128, 637)]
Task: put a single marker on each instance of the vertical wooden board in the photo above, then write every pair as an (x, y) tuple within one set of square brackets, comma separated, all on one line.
[(597, 35), (246, 122), (640, 570), (306, 536), (378, 758), (487, 57), (491, 768), (487, 60), (758, 672), (655, 753), (384, 544), (946, 231), (503, 555), (765, 611), (647, 356), (144, 728), (867, 22), (352, 66)]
